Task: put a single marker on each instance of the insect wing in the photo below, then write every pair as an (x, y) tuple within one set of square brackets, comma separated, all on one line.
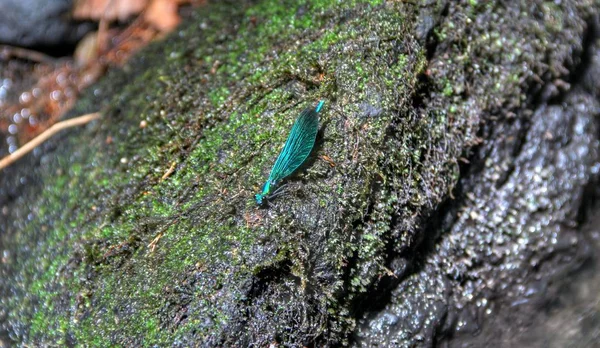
[(297, 146)]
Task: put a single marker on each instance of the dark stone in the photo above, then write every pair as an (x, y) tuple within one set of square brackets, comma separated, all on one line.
[(40, 24)]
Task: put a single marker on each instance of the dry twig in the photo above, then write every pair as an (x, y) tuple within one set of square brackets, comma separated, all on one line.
[(57, 127)]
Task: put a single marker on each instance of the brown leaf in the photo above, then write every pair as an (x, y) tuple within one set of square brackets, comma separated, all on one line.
[(162, 14), (109, 10)]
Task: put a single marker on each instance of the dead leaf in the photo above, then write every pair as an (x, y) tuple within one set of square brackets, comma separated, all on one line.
[(162, 14), (109, 10)]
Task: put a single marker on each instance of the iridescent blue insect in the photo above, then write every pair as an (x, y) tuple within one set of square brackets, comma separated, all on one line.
[(297, 147)]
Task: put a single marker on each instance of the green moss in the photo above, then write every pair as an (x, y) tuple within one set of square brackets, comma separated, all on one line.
[(219, 100), (448, 90), (218, 96)]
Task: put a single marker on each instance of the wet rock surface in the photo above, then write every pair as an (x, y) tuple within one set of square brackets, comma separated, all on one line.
[(566, 314), (515, 229), (461, 138)]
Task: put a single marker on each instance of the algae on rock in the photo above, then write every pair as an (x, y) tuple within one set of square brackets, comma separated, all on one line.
[(218, 97)]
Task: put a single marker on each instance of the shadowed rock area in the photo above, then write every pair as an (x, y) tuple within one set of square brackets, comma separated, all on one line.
[(41, 24), (452, 175)]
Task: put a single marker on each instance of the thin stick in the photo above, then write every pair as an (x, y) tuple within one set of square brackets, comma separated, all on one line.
[(6, 52), (57, 127), (169, 172)]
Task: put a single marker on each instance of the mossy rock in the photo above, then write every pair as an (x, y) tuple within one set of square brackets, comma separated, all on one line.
[(141, 230)]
